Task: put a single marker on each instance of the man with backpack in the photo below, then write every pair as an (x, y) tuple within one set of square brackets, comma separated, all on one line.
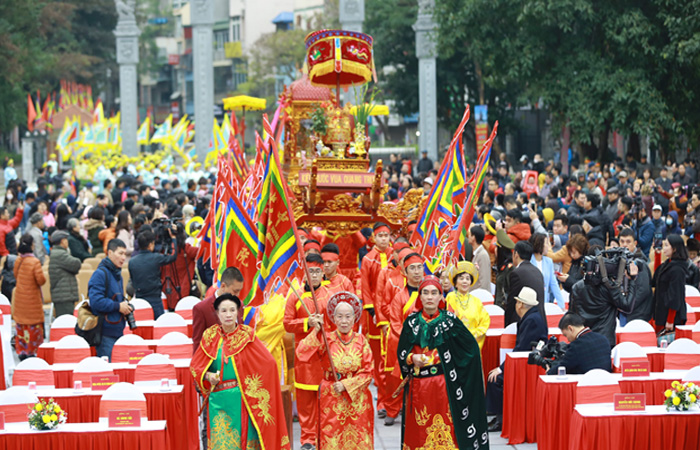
[(106, 293)]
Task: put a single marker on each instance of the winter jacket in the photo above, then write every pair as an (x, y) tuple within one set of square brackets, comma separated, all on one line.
[(63, 267), (39, 249), (93, 228), (106, 292), (669, 295), (144, 270), (78, 246), (642, 308), (128, 238), (644, 233), (598, 301), (27, 306), (6, 227), (518, 232), (105, 236)]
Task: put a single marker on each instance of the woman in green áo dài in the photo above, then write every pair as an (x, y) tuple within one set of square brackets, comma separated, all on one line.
[(238, 377)]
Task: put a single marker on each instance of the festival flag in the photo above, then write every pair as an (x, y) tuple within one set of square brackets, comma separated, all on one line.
[(164, 131), (438, 213), (31, 113), (278, 252), (458, 233), (143, 132), (98, 115)]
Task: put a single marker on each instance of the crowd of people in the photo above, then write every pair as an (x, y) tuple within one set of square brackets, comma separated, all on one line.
[(366, 311)]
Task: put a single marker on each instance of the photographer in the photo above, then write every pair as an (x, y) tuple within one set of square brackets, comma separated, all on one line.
[(598, 297), (144, 269), (106, 293), (587, 349)]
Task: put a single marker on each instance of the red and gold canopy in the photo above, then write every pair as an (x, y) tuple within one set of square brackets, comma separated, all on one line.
[(339, 57)]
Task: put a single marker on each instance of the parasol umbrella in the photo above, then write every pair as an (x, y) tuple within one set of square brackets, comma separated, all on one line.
[(339, 58), (241, 103)]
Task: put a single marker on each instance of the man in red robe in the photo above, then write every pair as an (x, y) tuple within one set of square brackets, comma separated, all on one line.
[(337, 282), (373, 263), (403, 303), (300, 314), (349, 246)]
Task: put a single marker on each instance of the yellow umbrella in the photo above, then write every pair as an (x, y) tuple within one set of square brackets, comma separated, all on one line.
[(377, 110), (241, 103)]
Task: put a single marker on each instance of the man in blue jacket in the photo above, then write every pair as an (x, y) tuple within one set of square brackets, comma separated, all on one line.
[(587, 350), (644, 229), (144, 270), (531, 328), (106, 293)]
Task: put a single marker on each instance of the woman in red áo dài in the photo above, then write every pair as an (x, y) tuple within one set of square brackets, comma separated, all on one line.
[(346, 414)]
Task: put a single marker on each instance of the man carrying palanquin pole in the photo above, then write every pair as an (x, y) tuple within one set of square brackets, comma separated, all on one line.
[(346, 415), (297, 320)]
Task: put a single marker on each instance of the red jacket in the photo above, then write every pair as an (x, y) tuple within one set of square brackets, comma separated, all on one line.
[(6, 226)]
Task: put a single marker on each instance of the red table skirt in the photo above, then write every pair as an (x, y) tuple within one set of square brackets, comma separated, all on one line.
[(687, 334), (166, 406), (90, 440), (63, 379), (490, 354), (656, 361), (519, 408), (556, 403), (46, 353), (654, 389), (630, 432)]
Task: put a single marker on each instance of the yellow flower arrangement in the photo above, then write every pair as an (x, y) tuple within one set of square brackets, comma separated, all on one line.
[(681, 396), (46, 415)]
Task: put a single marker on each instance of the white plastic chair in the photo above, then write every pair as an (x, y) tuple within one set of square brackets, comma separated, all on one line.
[(33, 370), (125, 344), (176, 345), (152, 369), (6, 313), (597, 386), (508, 340), (692, 375), (497, 315), (14, 403), (122, 396), (482, 294), (682, 354), (627, 352), (62, 326), (554, 314), (167, 323), (71, 349), (142, 309), (185, 305), (692, 296), (89, 367)]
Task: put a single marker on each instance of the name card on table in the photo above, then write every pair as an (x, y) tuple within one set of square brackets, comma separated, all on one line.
[(103, 382), (138, 355), (630, 402), (2, 421), (124, 418), (635, 369)]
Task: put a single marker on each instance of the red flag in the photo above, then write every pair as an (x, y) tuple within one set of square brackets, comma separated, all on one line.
[(31, 113)]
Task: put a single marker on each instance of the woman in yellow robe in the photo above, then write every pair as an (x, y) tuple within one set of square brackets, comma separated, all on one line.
[(468, 307)]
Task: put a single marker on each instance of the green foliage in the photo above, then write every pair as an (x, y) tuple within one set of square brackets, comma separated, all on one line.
[(318, 121), (630, 66), (45, 41)]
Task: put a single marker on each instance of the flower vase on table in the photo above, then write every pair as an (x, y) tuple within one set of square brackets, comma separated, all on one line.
[(46, 415), (682, 396)]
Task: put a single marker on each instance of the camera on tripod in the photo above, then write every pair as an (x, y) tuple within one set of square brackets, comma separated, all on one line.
[(544, 355), (161, 229)]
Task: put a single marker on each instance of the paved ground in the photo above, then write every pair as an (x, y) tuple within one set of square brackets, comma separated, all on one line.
[(389, 438)]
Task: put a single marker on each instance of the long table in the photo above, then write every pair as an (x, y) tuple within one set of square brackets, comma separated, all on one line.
[(151, 435), (599, 427), (84, 407)]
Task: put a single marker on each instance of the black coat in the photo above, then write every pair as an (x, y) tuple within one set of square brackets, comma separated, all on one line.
[(598, 303), (575, 274), (589, 351), (669, 281), (643, 302), (524, 275)]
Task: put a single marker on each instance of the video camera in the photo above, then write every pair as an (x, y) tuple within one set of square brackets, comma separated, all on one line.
[(611, 263), (544, 355), (161, 229)]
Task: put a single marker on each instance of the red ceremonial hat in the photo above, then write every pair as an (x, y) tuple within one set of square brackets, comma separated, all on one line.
[(430, 280), (329, 256), (312, 245), (412, 258), (345, 297), (382, 229), (404, 252)]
